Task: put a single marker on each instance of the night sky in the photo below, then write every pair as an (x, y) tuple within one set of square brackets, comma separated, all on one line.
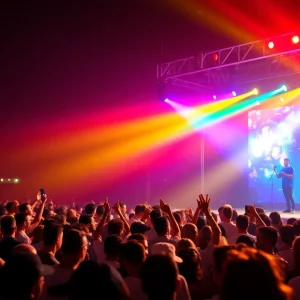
[(63, 58)]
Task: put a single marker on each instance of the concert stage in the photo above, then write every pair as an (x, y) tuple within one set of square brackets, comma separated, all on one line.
[(284, 216)]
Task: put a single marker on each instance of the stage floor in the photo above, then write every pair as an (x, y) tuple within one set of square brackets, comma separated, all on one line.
[(284, 216)]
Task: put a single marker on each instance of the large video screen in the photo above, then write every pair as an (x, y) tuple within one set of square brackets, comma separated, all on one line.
[(274, 134)]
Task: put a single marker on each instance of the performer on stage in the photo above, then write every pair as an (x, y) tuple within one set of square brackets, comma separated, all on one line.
[(287, 175)]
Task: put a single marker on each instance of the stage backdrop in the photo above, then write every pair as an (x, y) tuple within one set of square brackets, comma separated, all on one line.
[(274, 134)]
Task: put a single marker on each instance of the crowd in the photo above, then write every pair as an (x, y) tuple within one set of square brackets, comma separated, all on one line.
[(50, 251)]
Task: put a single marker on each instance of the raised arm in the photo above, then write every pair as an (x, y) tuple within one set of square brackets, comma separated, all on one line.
[(99, 228), (38, 217), (174, 225), (216, 231), (118, 210), (252, 211), (197, 213)]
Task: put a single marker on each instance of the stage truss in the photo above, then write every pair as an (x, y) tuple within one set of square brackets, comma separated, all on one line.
[(241, 64)]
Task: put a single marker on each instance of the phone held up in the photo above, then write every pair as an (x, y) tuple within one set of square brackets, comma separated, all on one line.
[(42, 192)]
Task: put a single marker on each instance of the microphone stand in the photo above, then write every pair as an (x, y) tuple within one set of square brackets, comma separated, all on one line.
[(271, 179)]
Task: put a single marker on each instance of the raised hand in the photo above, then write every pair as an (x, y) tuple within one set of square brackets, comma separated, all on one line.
[(165, 207), (44, 198), (203, 203), (106, 205), (117, 208)]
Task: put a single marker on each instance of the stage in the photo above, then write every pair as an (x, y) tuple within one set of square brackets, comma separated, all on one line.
[(284, 216)]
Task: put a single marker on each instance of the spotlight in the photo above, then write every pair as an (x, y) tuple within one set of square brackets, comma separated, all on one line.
[(215, 97), (255, 91), (233, 93), (8, 179), (16, 180), (166, 100), (284, 88), (295, 39), (281, 99), (215, 57), (271, 45), (1, 179)]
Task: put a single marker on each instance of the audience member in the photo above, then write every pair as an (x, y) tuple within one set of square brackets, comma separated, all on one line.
[(132, 256), (159, 276), (112, 250), (140, 238), (8, 242), (52, 239), (230, 228), (257, 267), (26, 272), (12, 208), (23, 222), (242, 224)]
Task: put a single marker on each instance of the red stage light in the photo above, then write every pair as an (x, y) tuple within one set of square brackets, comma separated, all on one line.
[(271, 45), (295, 39), (215, 57)]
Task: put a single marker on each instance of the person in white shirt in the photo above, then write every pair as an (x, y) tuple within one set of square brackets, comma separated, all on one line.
[(23, 222), (226, 216), (164, 226), (132, 256), (242, 224), (138, 214)]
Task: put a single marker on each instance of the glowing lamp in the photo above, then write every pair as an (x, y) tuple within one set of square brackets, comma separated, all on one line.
[(295, 39), (284, 88), (271, 45), (215, 57)]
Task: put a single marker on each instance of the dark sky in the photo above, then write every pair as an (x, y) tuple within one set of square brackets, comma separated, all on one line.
[(54, 50), (61, 50), (62, 57)]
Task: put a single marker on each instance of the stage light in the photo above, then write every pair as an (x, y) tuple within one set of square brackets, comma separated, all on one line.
[(215, 57), (8, 179), (284, 88), (255, 91), (1, 179), (271, 45), (281, 99), (166, 100), (257, 102), (16, 180), (233, 93), (215, 97), (295, 39)]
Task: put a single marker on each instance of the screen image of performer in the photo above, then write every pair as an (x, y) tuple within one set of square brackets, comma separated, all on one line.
[(287, 175)]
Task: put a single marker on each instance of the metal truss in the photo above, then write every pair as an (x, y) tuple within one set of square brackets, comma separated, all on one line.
[(244, 63)]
